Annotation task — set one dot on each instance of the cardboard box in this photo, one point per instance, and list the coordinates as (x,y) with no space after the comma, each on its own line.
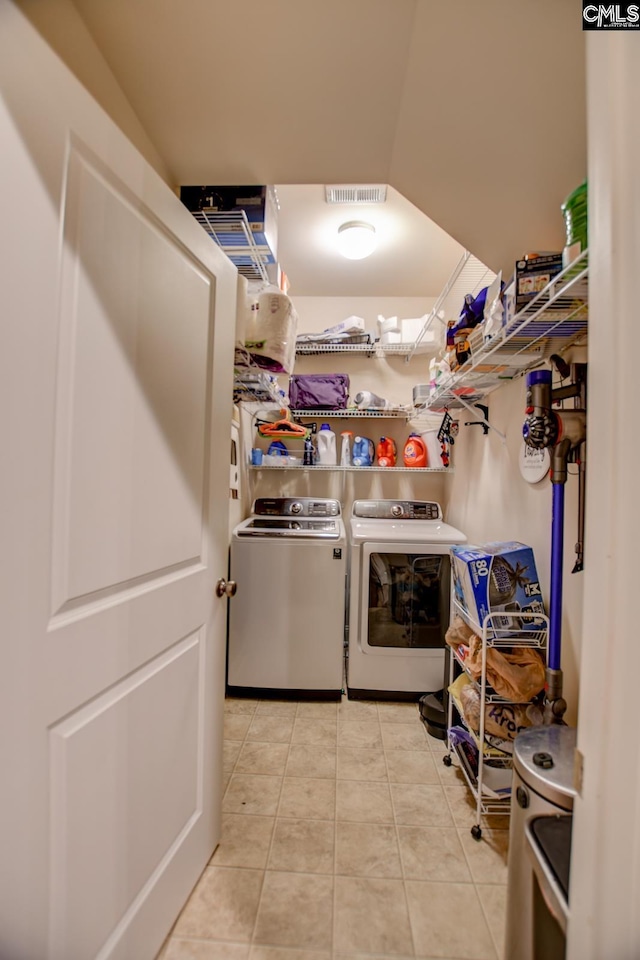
(497,577)
(533,275)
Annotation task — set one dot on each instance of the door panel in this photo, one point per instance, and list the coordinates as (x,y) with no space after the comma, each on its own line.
(117,348)
(132,439)
(141,727)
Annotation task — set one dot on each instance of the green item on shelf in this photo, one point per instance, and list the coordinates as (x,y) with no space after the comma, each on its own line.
(574,210)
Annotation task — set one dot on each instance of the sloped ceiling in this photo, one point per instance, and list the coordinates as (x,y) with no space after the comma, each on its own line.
(474,111)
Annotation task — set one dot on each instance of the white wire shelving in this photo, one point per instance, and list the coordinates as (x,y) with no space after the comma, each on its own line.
(371,348)
(505,629)
(354,413)
(350,469)
(233,234)
(556,318)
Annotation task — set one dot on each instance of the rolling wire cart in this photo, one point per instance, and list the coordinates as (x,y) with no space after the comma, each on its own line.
(494,633)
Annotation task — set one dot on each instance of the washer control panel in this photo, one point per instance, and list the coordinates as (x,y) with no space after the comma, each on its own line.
(397,509)
(295,507)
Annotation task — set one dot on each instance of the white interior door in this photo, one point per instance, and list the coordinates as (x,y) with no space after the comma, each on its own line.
(117,336)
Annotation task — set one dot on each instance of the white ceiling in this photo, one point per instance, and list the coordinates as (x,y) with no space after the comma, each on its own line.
(473,111)
(413,257)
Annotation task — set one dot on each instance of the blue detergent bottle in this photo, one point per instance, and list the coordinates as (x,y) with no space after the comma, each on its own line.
(363,452)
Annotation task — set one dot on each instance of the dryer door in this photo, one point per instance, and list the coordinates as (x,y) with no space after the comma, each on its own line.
(405,597)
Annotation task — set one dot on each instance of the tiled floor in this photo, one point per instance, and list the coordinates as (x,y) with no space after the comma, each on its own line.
(344,837)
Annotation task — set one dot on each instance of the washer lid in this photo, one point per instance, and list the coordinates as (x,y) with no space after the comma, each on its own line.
(410,531)
(543,757)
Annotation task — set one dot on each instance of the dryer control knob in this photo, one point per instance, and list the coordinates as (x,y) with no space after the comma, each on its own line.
(396,510)
(296,507)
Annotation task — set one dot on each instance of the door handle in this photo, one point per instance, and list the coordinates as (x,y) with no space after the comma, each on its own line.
(226,588)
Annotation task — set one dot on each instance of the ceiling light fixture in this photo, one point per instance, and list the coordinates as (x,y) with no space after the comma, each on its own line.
(356,239)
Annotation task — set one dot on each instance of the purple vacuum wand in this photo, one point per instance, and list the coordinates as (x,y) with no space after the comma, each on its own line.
(563,432)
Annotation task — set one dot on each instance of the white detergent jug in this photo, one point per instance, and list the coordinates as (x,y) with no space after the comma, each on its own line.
(345,454)
(327,451)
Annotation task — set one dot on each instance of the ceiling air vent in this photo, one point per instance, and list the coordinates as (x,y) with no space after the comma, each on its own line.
(355,193)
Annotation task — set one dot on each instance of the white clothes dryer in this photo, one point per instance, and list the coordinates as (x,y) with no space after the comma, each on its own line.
(286,625)
(399,598)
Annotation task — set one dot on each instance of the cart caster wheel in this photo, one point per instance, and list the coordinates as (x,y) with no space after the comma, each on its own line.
(446,760)
(476,831)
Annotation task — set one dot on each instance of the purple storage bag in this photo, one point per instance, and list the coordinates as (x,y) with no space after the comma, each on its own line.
(319,391)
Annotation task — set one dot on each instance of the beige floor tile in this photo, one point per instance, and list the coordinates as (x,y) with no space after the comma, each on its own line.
(230,753)
(357,710)
(256,795)
(371,915)
(262,758)
(314,731)
(359,733)
(358,763)
(302,846)
(223,905)
(398,713)
(240,705)
(436,745)
(311,760)
(245,841)
(308,799)
(420,804)
(493,898)
(403,736)
(296,910)
(464,811)
(206,950)
(411,766)
(236,725)
(447,921)
(270,729)
(276,953)
(277,708)
(450,776)
(363,802)
(367,850)
(487,857)
(327,710)
(433,853)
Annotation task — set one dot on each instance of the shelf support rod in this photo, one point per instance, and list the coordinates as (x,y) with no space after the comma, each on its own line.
(482,420)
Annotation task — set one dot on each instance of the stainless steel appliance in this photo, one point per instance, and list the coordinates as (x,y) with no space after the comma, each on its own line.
(286,627)
(399,597)
(543,760)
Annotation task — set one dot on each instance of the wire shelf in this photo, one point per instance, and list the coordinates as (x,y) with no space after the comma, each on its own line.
(369,349)
(232,232)
(323,466)
(557,316)
(496,633)
(352,414)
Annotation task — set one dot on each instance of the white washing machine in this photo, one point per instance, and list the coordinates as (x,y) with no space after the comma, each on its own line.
(399,597)
(286,624)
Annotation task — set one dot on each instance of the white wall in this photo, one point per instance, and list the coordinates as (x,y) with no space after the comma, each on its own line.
(59,22)
(488,499)
(605,864)
(390,377)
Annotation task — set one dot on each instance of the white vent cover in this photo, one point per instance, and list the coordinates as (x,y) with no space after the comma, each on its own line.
(355,193)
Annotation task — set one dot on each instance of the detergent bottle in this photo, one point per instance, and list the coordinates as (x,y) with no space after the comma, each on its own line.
(345,451)
(415,451)
(363,452)
(327,453)
(386,452)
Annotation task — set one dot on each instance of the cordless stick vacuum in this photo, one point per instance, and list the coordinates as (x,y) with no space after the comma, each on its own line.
(563,432)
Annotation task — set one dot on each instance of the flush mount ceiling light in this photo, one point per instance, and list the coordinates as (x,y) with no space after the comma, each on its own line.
(356,239)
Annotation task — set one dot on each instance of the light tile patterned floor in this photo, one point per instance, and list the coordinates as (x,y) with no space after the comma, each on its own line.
(344,837)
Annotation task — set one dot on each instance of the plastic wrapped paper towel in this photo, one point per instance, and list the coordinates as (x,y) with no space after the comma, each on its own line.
(271,335)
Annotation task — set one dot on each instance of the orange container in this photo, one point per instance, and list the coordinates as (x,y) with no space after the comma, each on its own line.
(386,452)
(415,451)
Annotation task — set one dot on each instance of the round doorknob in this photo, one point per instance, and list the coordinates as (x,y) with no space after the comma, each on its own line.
(226,588)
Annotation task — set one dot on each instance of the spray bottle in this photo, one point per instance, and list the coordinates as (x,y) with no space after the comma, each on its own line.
(345,451)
